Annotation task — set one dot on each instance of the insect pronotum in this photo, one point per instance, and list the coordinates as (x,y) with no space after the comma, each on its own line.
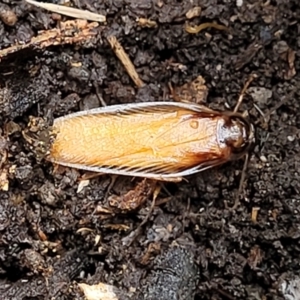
(158,140)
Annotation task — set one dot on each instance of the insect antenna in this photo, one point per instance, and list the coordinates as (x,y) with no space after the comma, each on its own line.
(263,120)
(242,180)
(243,92)
(245,166)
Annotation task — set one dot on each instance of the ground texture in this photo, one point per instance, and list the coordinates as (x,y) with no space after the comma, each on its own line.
(193,246)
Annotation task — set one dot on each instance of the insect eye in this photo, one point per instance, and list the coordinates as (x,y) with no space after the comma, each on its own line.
(236,143)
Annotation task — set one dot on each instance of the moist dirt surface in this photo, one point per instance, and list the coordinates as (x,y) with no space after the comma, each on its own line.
(58,230)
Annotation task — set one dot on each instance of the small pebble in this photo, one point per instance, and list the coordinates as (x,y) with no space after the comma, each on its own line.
(7,16)
(291,138)
(263,158)
(239,3)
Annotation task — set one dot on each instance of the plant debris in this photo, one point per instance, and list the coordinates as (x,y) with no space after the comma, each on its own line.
(125,60)
(70,32)
(69,11)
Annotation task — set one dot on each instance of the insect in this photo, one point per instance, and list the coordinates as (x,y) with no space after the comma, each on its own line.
(158,140)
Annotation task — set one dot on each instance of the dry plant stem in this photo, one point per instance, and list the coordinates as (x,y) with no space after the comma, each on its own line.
(254,214)
(163,201)
(125,60)
(69,11)
(197,29)
(70,32)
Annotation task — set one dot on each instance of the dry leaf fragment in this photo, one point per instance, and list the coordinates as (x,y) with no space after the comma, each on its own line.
(4,184)
(82,184)
(153,249)
(255,257)
(143,22)
(134,198)
(195,91)
(100,291)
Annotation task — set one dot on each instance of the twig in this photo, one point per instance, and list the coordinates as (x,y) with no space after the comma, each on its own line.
(70,32)
(125,60)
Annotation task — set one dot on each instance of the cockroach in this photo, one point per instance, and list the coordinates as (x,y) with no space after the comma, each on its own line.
(158,140)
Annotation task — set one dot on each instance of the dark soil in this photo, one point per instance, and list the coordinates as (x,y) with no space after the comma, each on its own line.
(193,246)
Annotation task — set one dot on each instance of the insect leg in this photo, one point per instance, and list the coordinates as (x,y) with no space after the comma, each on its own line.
(98,94)
(243,176)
